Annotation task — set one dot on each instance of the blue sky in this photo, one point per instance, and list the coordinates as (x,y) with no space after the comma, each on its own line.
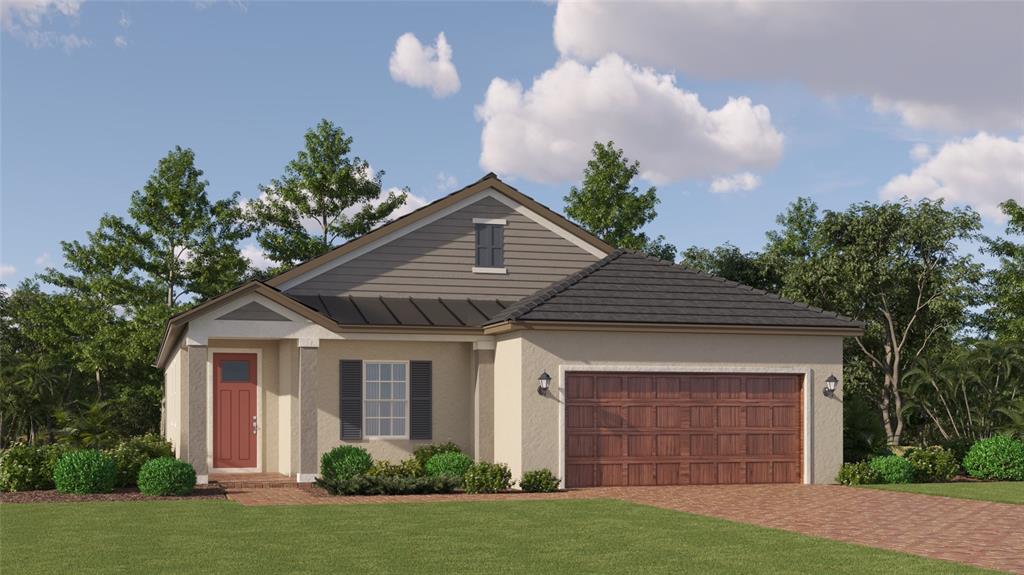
(94,93)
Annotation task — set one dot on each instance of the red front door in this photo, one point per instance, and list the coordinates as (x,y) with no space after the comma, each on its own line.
(234,410)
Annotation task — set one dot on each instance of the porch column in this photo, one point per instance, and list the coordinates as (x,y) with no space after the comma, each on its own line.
(483,401)
(193,403)
(305,424)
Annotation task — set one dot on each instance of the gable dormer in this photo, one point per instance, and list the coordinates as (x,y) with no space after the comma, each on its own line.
(484,241)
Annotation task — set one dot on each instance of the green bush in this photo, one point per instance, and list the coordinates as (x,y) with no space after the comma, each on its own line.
(383,485)
(345,462)
(29,467)
(85,471)
(486,477)
(166,476)
(539,481)
(1000,457)
(449,463)
(859,473)
(959,446)
(425,452)
(932,464)
(406,468)
(892,469)
(131,454)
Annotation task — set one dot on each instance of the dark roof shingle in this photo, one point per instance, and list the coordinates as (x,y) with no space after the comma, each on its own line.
(377,311)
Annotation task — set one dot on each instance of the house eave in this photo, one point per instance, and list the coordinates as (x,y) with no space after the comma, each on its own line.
(512,326)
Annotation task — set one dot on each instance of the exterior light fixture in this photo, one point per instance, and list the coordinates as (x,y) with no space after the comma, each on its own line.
(830,386)
(543,383)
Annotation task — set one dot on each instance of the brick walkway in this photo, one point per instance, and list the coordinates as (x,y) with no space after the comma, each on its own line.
(980,533)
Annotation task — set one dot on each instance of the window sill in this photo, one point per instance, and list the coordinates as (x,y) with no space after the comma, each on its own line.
(477,270)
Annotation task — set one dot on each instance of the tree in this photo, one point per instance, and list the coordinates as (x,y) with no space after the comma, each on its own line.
(324,196)
(610,207)
(1005,316)
(895,266)
(727,261)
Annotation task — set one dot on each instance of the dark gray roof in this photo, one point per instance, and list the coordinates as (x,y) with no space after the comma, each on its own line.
(628,287)
(404,311)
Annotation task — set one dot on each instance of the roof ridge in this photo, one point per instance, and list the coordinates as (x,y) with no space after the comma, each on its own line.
(528,304)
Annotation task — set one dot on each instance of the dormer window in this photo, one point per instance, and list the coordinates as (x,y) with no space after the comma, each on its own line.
(490,246)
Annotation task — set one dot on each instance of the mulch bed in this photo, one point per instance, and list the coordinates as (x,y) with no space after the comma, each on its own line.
(120,494)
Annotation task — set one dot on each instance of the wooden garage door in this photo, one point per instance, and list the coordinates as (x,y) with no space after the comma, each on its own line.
(681,429)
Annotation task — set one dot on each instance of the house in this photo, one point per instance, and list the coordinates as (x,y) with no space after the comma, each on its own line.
(488,320)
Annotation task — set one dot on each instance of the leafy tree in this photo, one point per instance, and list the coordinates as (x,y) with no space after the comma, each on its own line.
(895,266)
(609,206)
(324,196)
(727,261)
(1005,316)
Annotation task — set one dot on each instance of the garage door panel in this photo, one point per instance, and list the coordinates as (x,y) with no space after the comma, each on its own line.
(677,429)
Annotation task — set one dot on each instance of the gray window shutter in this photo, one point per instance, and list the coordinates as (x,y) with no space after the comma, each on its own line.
(490,245)
(421,399)
(351,395)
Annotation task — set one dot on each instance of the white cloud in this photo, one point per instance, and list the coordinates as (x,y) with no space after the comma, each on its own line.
(124,21)
(43,259)
(425,66)
(920,152)
(256,257)
(6,271)
(947,65)
(739,182)
(27,20)
(446,182)
(981,171)
(120,41)
(546,132)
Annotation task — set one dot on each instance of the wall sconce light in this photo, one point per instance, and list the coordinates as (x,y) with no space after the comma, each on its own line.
(830,386)
(543,383)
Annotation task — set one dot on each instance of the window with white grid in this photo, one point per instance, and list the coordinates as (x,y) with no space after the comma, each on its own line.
(385,404)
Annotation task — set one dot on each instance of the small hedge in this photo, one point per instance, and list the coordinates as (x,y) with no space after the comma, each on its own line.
(932,464)
(450,464)
(381,485)
(345,462)
(406,468)
(29,467)
(85,471)
(132,453)
(166,476)
(539,481)
(425,452)
(1000,458)
(859,473)
(892,469)
(486,477)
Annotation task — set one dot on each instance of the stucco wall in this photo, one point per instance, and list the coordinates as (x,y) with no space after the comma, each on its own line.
(484,428)
(173,377)
(527,425)
(452,393)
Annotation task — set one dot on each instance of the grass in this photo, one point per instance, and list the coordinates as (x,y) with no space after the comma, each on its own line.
(998,491)
(588,536)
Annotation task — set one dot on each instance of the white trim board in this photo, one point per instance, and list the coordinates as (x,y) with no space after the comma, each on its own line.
(488,193)
(557,390)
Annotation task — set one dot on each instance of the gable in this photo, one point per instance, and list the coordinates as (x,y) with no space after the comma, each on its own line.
(253,311)
(437,258)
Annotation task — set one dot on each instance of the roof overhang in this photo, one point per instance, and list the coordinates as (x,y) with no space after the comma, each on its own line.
(512,326)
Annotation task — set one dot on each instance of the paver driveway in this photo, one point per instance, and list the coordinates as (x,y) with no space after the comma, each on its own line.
(976,532)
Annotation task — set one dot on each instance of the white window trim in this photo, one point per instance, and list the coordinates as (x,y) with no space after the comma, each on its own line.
(366,363)
(477,270)
(491,221)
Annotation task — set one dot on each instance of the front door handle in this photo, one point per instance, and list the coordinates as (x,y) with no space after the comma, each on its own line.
(254,425)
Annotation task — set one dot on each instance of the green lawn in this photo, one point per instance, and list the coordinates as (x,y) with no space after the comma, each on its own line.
(587,536)
(1000,491)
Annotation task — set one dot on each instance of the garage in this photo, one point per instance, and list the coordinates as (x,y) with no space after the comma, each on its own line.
(682,428)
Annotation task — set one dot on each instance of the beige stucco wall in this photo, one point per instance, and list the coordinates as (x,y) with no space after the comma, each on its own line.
(527,425)
(173,376)
(452,393)
(483,364)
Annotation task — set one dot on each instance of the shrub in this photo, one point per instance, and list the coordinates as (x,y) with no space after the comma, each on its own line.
(166,476)
(1000,457)
(933,464)
(539,481)
(85,471)
(859,473)
(892,469)
(345,462)
(486,477)
(132,453)
(406,468)
(449,463)
(425,452)
(29,467)
(383,485)
(959,446)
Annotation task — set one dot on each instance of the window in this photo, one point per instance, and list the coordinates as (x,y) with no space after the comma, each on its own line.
(490,245)
(385,405)
(234,370)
